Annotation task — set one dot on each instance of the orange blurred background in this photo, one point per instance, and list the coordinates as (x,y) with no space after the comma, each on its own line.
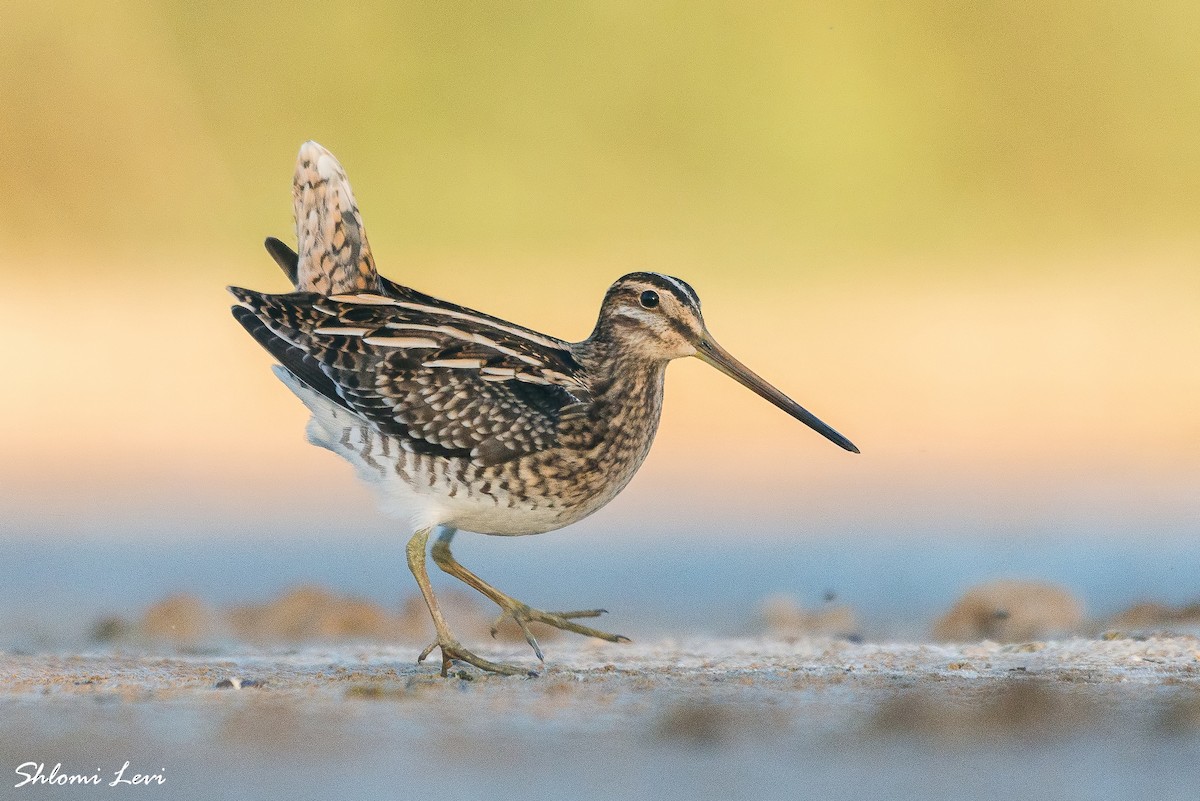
(965,238)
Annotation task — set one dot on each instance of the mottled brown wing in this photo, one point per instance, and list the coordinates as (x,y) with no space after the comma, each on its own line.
(288,261)
(441,380)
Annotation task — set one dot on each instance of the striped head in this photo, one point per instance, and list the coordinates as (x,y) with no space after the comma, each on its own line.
(657,318)
(652,315)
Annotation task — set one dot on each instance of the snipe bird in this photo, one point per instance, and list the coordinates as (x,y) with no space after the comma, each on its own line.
(461,420)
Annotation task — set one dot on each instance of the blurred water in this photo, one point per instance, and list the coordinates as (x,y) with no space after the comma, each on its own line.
(381,752)
(52,590)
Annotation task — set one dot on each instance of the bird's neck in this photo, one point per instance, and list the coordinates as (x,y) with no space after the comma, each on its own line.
(627,388)
(612,431)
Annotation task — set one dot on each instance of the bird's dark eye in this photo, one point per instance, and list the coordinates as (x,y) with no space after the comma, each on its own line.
(649,299)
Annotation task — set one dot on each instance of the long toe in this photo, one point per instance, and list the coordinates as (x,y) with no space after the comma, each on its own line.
(580,613)
(562,621)
(453,651)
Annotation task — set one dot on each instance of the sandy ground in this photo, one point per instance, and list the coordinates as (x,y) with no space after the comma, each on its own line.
(704,718)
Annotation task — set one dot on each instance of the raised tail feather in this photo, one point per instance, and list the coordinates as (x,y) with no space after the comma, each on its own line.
(334,257)
(287,259)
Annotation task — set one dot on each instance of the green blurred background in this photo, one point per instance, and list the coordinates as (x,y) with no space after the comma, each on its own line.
(765,134)
(963,233)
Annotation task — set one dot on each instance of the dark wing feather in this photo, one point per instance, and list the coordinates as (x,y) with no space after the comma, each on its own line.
(441,379)
(293,358)
(288,261)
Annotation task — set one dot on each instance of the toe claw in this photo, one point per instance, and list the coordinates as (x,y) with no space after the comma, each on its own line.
(522,622)
(529,638)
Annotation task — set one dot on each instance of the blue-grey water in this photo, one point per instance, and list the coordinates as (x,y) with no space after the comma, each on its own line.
(52,589)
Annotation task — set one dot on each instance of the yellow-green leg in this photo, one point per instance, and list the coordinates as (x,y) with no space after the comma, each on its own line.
(450,647)
(522,613)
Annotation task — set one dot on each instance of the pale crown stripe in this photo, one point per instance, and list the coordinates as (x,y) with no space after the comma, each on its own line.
(678,285)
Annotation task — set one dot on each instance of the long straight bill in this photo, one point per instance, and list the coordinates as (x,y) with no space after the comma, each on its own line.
(709,351)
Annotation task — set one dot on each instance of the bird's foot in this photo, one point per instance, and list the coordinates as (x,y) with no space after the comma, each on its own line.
(453,651)
(524,614)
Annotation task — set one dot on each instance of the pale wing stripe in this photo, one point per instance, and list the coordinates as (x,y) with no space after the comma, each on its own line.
(555,377)
(463,363)
(402,342)
(380,300)
(547,377)
(365,298)
(342,331)
(412,326)
(535,338)
(466,336)
(480,339)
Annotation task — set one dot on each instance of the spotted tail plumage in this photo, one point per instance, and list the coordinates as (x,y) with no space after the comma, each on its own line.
(333,253)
